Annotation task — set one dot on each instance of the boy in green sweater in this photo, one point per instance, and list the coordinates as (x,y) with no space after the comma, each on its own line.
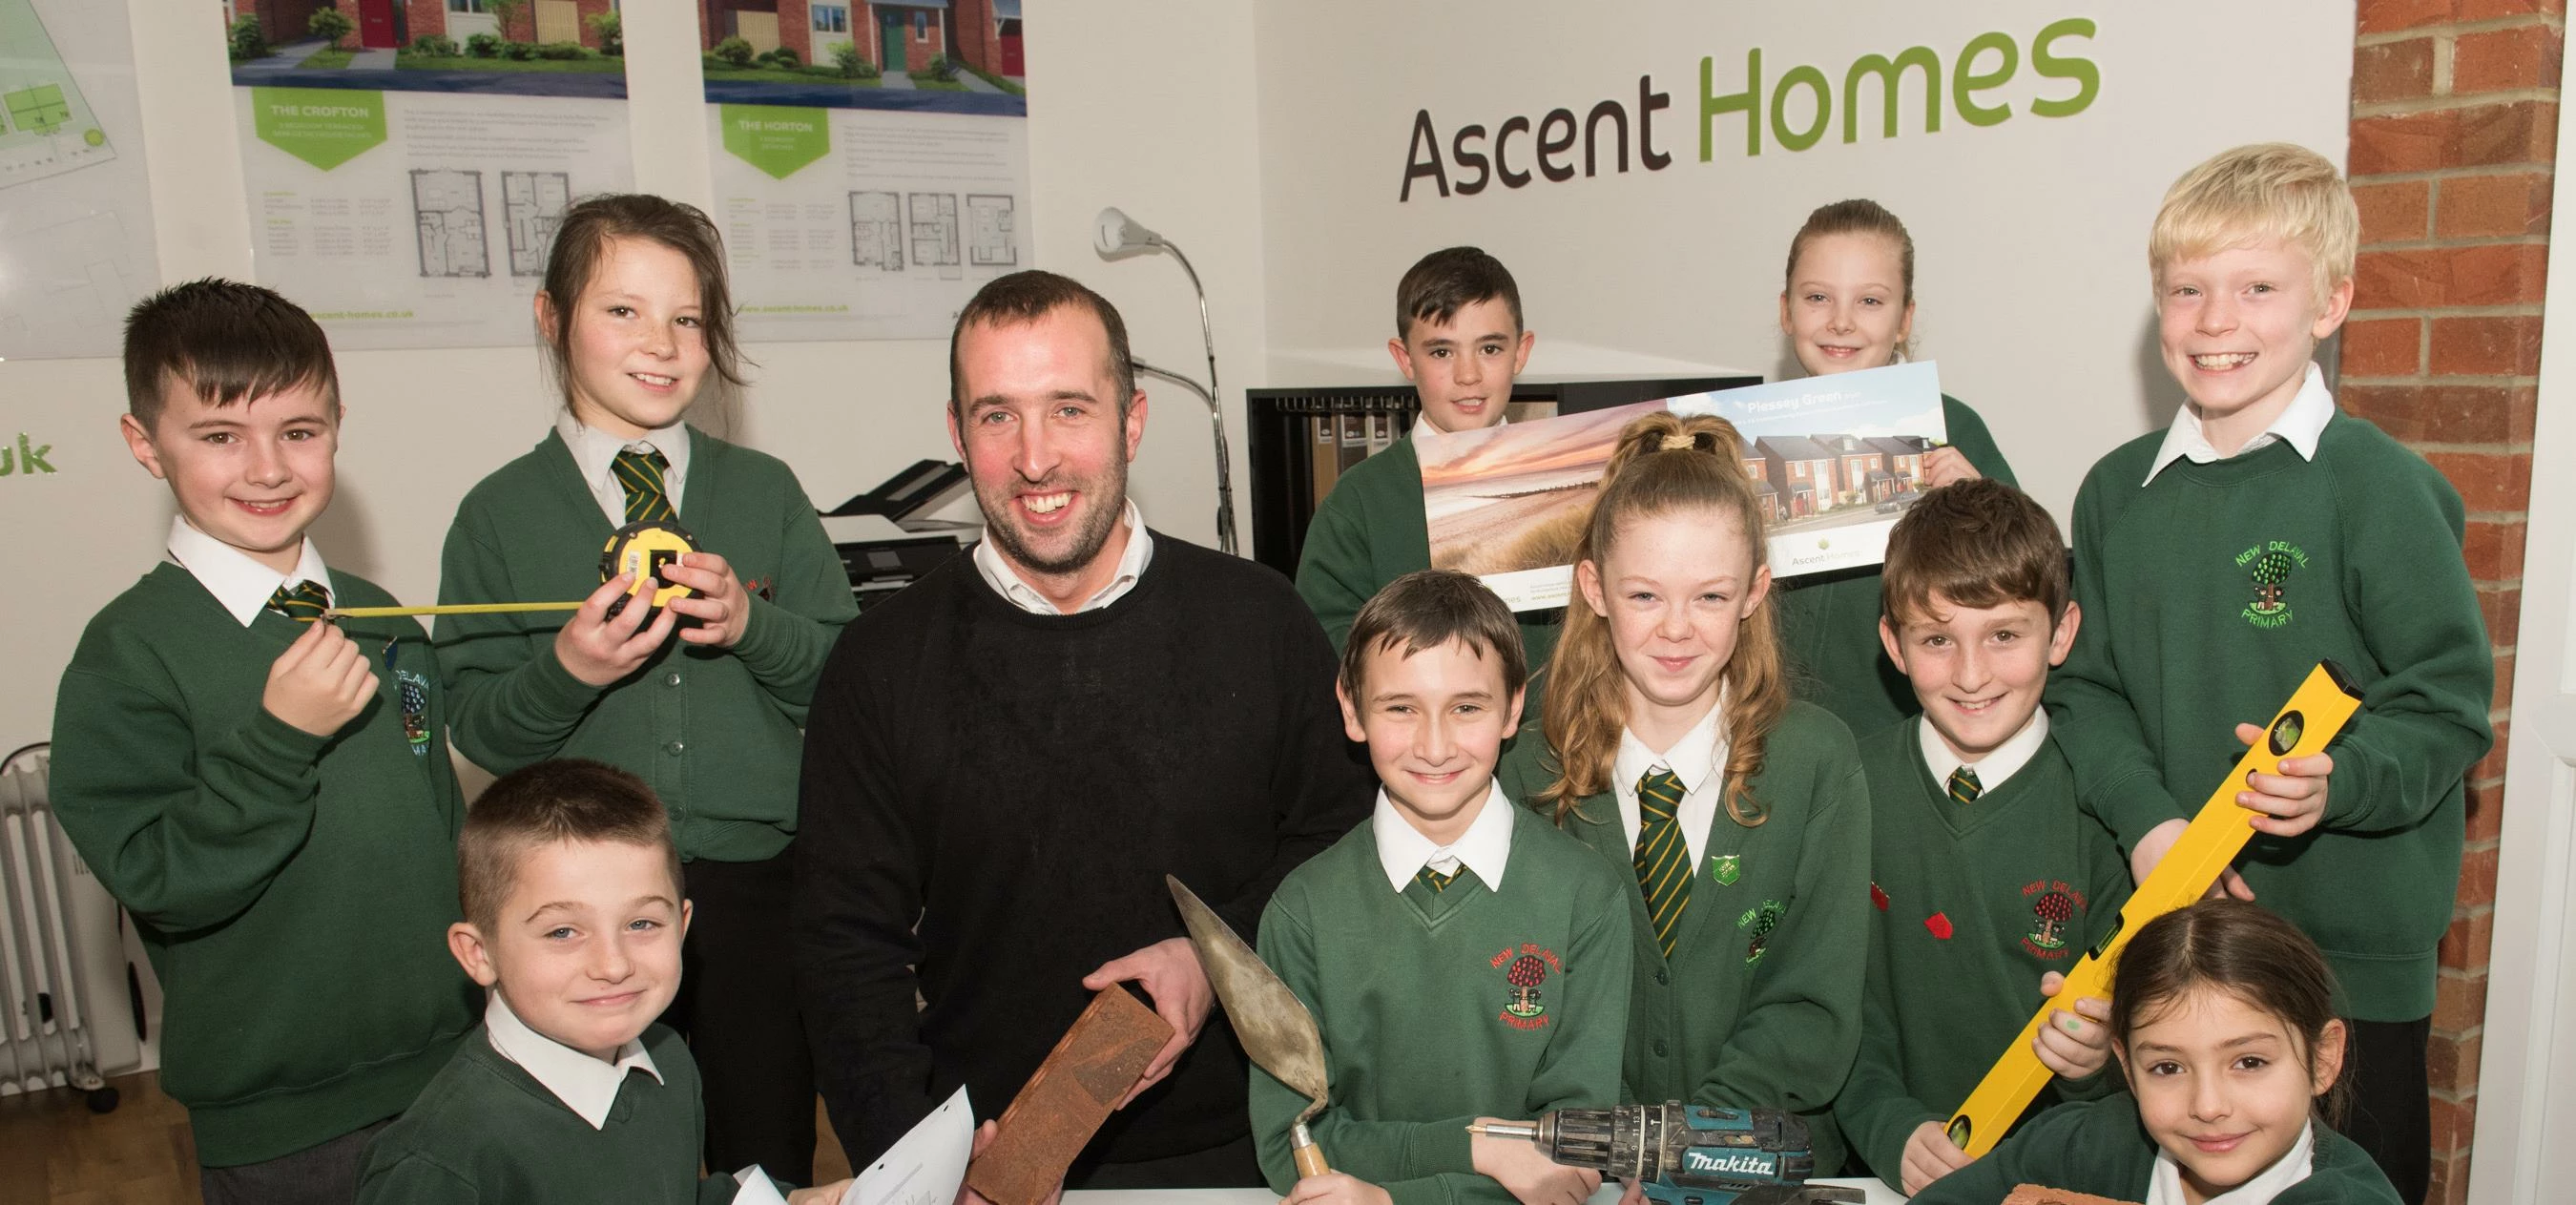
(269,798)
(1986,881)
(1464,960)
(1460,341)
(2221,559)
(571,890)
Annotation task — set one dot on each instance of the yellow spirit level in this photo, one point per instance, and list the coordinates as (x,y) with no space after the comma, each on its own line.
(2312,718)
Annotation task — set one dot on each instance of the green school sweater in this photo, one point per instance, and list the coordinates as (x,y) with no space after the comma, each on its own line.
(1372,530)
(715,732)
(2098,1147)
(1439,1008)
(1969,907)
(487,1131)
(293,892)
(1829,621)
(2208,595)
(1760,1005)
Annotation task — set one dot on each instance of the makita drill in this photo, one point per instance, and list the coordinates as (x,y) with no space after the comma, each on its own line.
(1686,1154)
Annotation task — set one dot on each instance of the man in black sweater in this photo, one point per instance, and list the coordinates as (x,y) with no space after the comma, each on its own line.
(1004,760)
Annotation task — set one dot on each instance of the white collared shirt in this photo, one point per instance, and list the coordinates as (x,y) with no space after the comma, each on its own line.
(1698,759)
(584,1084)
(595,451)
(241,584)
(1486,846)
(1007,582)
(2301,423)
(2165,1186)
(1994,768)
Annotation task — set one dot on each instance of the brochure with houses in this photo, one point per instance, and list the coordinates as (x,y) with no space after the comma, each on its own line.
(1836,458)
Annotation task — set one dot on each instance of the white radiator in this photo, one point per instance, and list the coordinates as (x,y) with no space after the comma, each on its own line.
(64,1015)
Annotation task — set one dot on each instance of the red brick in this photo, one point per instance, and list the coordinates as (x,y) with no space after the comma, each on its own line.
(2486,10)
(2452,1064)
(2486,812)
(2487,481)
(2490,206)
(2491,767)
(2383,347)
(2478,876)
(2502,608)
(2459,1002)
(2494,551)
(2392,71)
(2399,211)
(2441,414)
(2525,131)
(2492,274)
(2455,1122)
(2503,682)
(2498,60)
(2466,942)
(2380,16)
(2402,142)
(2445,1186)
(2507,345)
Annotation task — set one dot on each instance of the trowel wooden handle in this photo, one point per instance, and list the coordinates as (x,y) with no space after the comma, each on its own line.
(1310,1157)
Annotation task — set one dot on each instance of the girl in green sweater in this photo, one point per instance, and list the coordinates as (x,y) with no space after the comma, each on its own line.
(1674,750)
(703,699)
(2223,1019)
(1848,304)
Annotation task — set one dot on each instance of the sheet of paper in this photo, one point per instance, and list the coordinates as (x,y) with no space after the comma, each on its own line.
(924,1167)
(756,1188)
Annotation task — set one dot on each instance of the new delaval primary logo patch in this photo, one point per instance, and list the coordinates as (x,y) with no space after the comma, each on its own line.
(1524,969)
(2269,565)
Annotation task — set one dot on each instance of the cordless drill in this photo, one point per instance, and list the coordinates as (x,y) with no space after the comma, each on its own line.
(1686,1154)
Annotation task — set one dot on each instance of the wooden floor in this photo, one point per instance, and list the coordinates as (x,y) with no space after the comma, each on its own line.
(54,1151)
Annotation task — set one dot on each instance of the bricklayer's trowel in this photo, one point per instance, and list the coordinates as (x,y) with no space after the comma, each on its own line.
(1272,1023)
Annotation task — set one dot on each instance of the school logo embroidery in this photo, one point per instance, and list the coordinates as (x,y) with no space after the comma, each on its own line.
(1759,921)
(1524,968)
(2270,565)
(1726,868)
(2055,905)
(415,709)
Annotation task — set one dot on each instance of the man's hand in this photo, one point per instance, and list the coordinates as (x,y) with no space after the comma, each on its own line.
(2291,801)
(598,649)
(1531,1178)
(1335,1188)
(1947,464)
(2159,841)
(983,1138)
(1928,1157)
(2072,1044)
(1170,973)
(320,683)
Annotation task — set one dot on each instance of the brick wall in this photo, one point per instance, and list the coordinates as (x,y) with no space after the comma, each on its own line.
(978,42)
(425,18)
(2454,140)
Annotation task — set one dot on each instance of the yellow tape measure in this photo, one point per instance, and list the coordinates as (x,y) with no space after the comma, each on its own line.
(642,549)
(2312,718)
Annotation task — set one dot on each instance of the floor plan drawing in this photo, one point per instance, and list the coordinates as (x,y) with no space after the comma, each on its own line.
(934,229)
(533,204)
(876,230)
(992,231)
(46,128)
(448,204)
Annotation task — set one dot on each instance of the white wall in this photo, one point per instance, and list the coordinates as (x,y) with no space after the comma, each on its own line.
(1163,131)
(2031,234)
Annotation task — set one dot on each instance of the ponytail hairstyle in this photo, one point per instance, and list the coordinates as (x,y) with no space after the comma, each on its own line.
(2241,949)
(1665,464)
(581,242)
(1859,215)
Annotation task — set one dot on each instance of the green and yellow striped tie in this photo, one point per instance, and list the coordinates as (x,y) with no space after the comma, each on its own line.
(646,495)
(306,601)
(1964,787)
(1435,880)
(1663,858)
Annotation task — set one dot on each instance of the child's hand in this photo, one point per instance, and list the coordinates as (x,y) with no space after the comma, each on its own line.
(1335,1188)
(1928,1157)
(2291,801)
(821,1194)
(1945,465)
(597,649)
(2073,1044)
(1529,1176)
(721,607)
(320,683)
(2159,841)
